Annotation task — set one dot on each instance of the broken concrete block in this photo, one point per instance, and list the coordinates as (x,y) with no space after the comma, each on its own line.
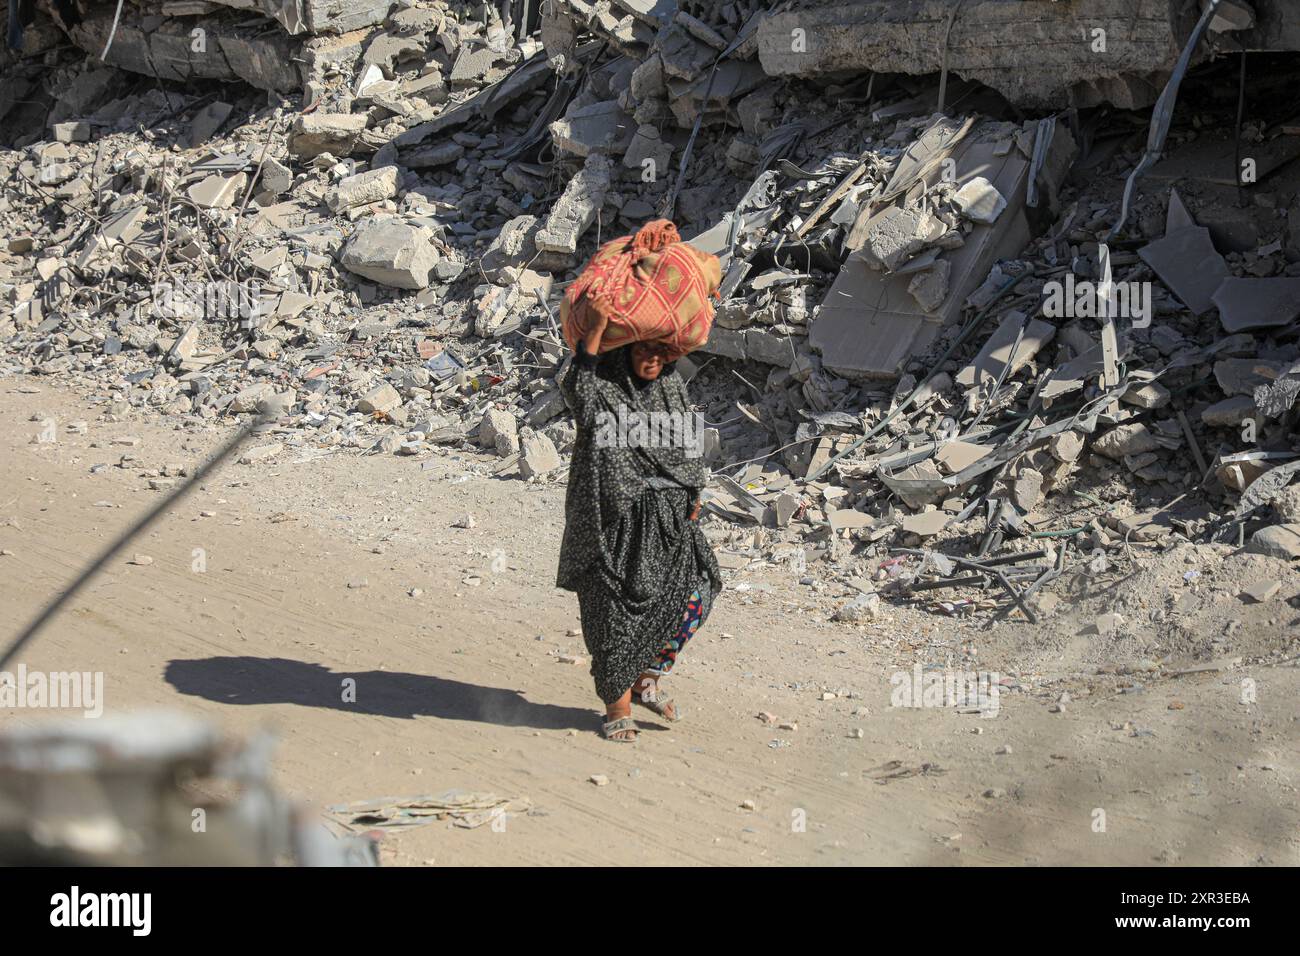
(513,247)
(926,524)
(248,399)
(1230,412)
(576,208)
(206,122)
(758,112)
(333,133)
(597,128)
(842,519)
(930,287)
(897,234)
(537,456)
(536,285)
(73,132)
(1131,439)
(433,154)
(1149,395)
(499,430)
(1287,504)
(785,508)
(362,189)
(771,348)
(317,17)
(995,355)
(954,456)
(474,66)
(683,56)
(276,177)
(217,191)
(391,252)
(183,348)
(1139,462)
(648,153)
(496,306)
(261,453)
(1066,446)
(1257,303)
(1146,526)
(1187,262)
(1262,591)
(381,399)
(979,200)
(549,405)
(1027,490)
(234,49)
(742,158)
(1278,541)
(1241,376)
(864,607)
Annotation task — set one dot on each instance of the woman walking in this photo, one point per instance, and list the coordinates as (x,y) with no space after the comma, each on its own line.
(632,548)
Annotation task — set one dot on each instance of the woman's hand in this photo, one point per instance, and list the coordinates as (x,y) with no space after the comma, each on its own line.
(591,341)
(695,512)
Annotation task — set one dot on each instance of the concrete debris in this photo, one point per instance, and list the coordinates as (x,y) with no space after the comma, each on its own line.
(979,200)
(1188,263)
(537,456)
(393,253)
(363,189)
(216,191)
(926,524)
(1125,441)
(576,209)
(1066,447)
(1017,340)
(598,128)
(499,431)
(864,607)
(315,134)
(380,400)
(1262,591)
(933,370)
(1230,412)
(1257,303)
(1278,541)
(1048,67)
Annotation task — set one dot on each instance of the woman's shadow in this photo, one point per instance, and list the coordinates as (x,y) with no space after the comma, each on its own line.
(277,680)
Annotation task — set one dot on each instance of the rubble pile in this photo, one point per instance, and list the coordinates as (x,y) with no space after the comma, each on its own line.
(953,356)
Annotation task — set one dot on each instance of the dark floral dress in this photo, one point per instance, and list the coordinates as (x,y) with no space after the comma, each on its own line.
(630,550)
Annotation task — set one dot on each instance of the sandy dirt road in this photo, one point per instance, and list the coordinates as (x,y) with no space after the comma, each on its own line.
(308,564)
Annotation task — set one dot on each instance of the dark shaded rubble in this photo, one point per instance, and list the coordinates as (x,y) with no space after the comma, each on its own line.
(912,383)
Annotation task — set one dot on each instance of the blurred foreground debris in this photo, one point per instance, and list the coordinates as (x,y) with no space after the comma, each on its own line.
(152,790)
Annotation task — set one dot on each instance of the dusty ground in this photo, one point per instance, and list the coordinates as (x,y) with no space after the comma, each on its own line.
(463,685)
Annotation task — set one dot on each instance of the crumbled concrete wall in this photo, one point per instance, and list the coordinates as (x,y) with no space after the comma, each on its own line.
(317,16)
(226,49)
(1038,54)
(229,44)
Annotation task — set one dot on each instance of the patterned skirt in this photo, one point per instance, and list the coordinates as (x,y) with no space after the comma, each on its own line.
(632,611)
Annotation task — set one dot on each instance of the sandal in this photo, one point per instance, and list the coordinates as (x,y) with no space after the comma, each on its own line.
(650,698)
(616,726)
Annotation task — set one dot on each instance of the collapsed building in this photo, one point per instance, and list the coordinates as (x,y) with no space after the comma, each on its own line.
(1007,283)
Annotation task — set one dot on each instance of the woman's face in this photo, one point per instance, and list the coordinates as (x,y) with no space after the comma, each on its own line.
(648,360)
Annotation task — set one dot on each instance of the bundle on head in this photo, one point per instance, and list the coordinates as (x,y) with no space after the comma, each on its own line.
(652,287)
